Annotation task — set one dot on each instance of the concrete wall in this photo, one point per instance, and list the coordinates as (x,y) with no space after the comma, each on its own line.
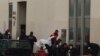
(95,22)
(3,15)
(44,16)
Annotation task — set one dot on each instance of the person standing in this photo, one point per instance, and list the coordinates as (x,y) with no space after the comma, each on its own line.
(32,39)
(64,49)
(1,35)
(23,35)
(7,35)
(54,35)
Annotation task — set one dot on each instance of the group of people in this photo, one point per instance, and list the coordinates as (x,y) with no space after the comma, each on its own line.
(57,48)
(54,45)
(6,35)
(30,38)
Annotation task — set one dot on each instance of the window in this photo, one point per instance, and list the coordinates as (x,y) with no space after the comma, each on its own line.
(72,18)
(10,10)
(10,16)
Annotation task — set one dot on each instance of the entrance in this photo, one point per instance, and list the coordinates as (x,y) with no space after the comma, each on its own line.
(21,23)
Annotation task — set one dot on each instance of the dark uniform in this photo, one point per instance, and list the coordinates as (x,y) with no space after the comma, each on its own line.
(32,39)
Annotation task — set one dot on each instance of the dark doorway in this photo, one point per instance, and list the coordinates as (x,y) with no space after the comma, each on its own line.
(21,25)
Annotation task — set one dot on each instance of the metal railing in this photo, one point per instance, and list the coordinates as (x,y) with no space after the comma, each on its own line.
(6,43)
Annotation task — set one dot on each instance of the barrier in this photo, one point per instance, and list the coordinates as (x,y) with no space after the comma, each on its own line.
(15,47)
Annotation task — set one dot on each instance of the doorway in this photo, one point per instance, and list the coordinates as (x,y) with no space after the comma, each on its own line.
(21,23)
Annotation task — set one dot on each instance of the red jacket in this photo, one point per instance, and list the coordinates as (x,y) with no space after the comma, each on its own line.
(41,52)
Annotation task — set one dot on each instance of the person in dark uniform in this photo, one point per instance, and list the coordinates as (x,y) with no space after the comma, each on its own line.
(94,49)
(23,35)
(56,48)
(64,49)
(49,49)
(7,35)
(55,35)
(32,39)
(1,35)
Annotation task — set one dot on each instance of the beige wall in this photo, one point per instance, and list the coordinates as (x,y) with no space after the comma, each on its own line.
(44,16)
(95,22)
(3,15)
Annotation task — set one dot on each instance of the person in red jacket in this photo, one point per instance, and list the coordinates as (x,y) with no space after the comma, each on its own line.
(41,52)
(54,35)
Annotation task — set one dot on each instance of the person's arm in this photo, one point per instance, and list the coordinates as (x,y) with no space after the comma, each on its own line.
(35,40)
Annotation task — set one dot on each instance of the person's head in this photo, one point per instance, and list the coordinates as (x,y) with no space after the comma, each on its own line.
(55,35)
(58,41)
(56,31)
(7,31)
(70,46)
(65,45)
(31,33)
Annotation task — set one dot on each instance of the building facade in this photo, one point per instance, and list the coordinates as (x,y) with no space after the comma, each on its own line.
(41,16)
(44,16)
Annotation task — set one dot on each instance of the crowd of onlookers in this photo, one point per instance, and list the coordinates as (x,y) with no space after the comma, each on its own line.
(55,47)
(29,38)
(6,35)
